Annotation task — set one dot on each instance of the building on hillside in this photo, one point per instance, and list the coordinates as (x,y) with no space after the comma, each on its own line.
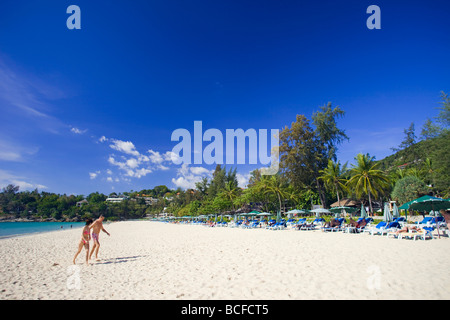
(82,202)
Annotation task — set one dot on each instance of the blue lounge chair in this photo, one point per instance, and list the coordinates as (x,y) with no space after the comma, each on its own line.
(307,226)
(318,221)
(428,233)
(391,227)
(255,224)
(377,228)
(299,223)
(426,221)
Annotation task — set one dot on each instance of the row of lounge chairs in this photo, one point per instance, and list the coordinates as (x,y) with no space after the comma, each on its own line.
(395,229)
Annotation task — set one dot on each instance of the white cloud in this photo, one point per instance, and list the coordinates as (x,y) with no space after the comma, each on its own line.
(10,155)
(200,171)
(130,167)
(7,178)
(27,98)
(77,131)
(187,176)
(102,139)
(125,147)
(109,179)
(132,163)
(173,157)
(142,172)
(10,150)
(155,157)
(242,179)
(94,175)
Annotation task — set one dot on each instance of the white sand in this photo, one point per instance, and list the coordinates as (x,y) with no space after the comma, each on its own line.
(154,260)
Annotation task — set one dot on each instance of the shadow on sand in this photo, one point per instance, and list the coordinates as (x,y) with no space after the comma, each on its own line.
(118,260)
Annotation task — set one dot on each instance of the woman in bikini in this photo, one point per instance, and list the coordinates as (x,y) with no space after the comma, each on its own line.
(84,242)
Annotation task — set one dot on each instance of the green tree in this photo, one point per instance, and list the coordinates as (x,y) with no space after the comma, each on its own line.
(334,178)
(444,111)
(408,143)
(217,182)
(430,130)
(277,187)
(408,188)
(231,192)
(305,151)
(366,178)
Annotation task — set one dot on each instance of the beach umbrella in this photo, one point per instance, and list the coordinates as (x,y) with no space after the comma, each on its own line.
(363,211)
(406,205)
(263,214)
(431,204)
(342,209)
(253,213)
(319,211)
(278,216)
(295,211)
(395,211)
(387,217)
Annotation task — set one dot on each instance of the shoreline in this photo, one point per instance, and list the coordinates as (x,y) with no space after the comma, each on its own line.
(156,260)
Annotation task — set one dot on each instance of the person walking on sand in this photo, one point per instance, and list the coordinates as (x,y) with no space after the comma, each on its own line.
(96,227)
(84,242)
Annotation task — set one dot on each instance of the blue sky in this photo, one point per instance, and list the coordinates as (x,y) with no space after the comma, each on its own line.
(94,109)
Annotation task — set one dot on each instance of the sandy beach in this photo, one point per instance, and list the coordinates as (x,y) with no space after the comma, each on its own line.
(155,260)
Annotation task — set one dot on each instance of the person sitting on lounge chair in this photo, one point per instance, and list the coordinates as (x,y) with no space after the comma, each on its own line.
(333,223)
(352,223)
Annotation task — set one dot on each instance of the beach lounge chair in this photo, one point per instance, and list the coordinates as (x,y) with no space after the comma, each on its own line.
(255,224)
(426,232)
(279,225)
(426,221)
(391,227)
(298,224)
(307,226)
(318,221)
(333,225)
(401,233)
(291,223)
(377,228)
(270,224)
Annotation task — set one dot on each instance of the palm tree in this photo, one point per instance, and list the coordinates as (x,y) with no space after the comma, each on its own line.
(366,178)
(333,177)
(231,192)
(277,187)
(429,171)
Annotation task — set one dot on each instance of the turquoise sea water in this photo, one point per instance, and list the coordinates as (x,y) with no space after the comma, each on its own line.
(10,229)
